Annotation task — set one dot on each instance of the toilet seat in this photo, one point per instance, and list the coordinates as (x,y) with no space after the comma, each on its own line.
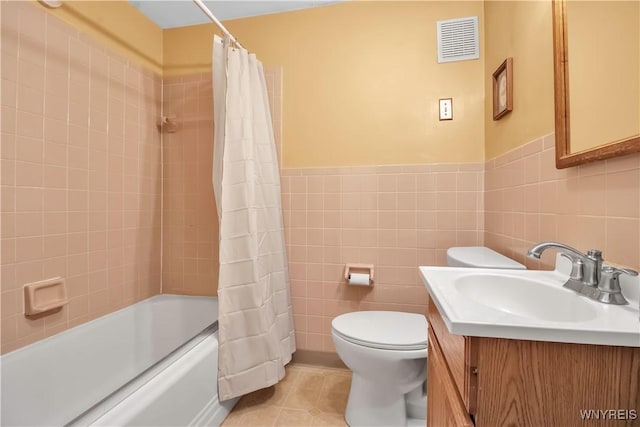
(387,330)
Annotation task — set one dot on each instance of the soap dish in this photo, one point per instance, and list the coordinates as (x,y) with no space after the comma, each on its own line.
(43,296)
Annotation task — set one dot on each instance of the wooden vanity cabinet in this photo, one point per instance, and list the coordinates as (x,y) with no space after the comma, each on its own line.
(445,406)
(504,382)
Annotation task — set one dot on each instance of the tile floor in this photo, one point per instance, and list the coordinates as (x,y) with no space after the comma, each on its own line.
(307,396)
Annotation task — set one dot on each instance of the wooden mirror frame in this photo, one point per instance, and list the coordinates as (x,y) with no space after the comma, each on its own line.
(564,157)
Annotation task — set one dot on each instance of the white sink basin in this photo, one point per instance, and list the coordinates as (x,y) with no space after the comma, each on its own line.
(525,297)
(528,305)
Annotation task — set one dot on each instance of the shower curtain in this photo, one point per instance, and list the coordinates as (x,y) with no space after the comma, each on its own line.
(255,316)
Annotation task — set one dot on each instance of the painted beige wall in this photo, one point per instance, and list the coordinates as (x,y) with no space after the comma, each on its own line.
(604,93)
(118,25)
(522,30)
(187,50)
(355,116)
(361,81)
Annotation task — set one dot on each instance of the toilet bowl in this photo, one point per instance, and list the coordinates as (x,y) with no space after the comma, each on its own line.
(387,353)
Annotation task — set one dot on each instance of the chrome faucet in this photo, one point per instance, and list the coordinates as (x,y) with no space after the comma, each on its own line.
(591,261)
(589,275)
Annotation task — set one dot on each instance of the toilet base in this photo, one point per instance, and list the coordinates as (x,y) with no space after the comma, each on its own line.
(415,422)
(371,404)
(417,402)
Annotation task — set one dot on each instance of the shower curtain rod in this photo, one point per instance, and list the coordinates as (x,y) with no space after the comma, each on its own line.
(215,20)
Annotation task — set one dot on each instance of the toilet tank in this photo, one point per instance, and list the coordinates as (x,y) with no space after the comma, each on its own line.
(480,257)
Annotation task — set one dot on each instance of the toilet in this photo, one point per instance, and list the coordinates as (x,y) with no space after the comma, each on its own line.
(387,351)
(480,257)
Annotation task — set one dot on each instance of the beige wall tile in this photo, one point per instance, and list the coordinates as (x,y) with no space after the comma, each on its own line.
(591,206)
(375,218)
(57,187)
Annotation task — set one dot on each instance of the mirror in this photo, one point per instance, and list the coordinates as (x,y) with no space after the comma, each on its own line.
(596,47)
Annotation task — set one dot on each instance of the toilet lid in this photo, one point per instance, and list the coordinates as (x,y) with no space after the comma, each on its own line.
(383,329)
(480,257)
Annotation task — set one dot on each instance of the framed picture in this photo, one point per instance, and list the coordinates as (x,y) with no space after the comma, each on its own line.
(503,89)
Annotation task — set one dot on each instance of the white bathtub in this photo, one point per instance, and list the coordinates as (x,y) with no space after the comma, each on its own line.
(154,363)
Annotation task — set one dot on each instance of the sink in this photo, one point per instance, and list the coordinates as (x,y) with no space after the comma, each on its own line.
(528,305)
(522,296)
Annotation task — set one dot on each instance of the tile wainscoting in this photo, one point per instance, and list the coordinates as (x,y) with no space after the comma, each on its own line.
(400,217)
(395,217)
(595,205)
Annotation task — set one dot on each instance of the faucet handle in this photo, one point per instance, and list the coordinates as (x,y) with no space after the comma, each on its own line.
(620,270)
(595,254)
(577,266)
(609,286)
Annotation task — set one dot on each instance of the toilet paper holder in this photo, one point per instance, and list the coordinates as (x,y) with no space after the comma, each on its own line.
(358,268)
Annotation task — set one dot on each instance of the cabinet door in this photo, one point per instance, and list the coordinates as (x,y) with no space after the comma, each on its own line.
(444,404)
(460,354)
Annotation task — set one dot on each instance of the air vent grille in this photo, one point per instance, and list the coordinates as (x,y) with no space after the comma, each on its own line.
(458,39)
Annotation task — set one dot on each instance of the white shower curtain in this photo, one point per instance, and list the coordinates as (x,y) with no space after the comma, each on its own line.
(255,316)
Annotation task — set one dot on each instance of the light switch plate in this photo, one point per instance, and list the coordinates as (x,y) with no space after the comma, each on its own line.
(446,109)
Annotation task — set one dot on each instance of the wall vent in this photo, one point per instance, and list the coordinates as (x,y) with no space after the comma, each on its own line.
(458,39)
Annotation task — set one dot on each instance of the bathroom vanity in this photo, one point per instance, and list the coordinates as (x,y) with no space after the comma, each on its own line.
(519,349)
(494,382)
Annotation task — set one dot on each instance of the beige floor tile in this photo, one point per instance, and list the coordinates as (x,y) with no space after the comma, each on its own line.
(328,420)
(302,398)
(282,392)
(333,403)
(288,382)
(310,379)
(293,418)
(291,372)
(260,416)
(307,396)
(233,419)
(337,382)
(274,395)
(315,412)
(258,397)
(241,403)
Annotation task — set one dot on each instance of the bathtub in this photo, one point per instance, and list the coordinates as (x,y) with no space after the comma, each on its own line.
(154,363)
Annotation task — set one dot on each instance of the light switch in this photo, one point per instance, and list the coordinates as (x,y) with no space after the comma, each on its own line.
(446,109)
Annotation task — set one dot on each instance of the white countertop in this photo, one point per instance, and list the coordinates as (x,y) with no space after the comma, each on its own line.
(611,324)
